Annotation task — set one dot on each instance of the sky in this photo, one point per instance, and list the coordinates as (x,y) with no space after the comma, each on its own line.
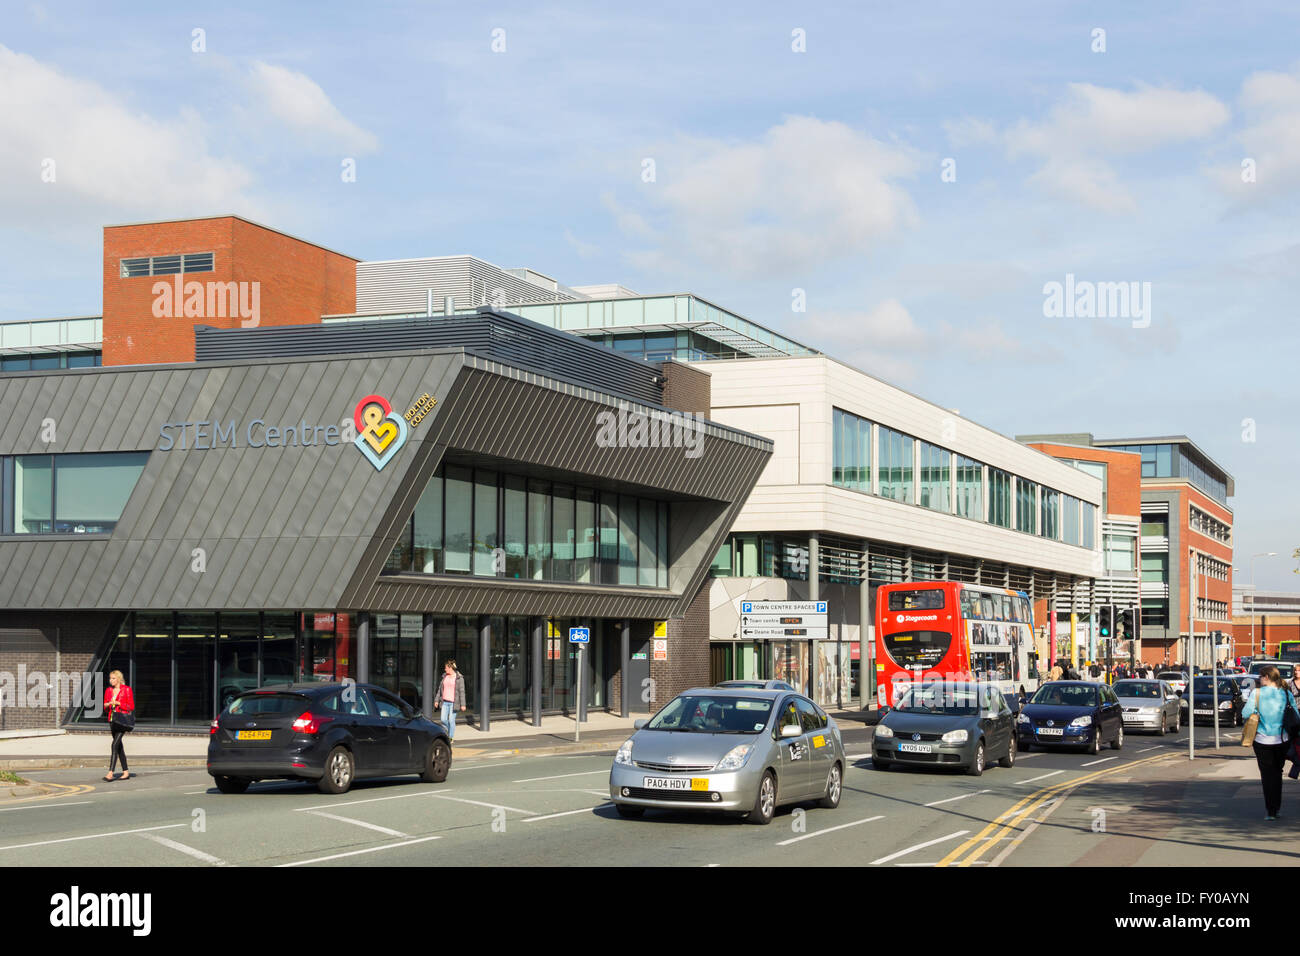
(918,176)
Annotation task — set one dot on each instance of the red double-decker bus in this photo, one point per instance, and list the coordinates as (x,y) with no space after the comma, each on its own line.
(945,630)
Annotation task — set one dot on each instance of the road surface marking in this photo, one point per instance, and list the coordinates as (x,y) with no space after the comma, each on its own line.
(1091,763)
(569,813)
(373,849)
(43,806)
(1043,777)
(561,776)
(353,803)
(919,846)
(1156,747)
(807,836)
(189,850)
(360,823)
(93,836)
(974,793)
(480,803)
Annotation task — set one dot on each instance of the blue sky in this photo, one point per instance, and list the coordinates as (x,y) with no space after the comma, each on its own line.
(774,170)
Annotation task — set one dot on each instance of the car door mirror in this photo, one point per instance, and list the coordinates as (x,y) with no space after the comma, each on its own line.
(791,730)
(639,723)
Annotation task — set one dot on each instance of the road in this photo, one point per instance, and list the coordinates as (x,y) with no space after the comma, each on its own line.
(1145,805)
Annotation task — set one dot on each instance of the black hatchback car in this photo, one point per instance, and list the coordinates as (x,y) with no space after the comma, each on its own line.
(331,734)
(1072,714)
(1231,700)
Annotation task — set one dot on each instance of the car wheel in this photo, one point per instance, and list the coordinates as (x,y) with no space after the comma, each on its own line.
(977,764)
(338,772)
(233,784)
(1178,722)
(880,764)
(764,802)
(1094,745)
(1118,742)
(1164,724)
(834,787)
(1010,759)
(437,763)
(629,812)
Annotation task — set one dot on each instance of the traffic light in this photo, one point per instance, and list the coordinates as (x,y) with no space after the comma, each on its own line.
(1124,625)
(1106,619)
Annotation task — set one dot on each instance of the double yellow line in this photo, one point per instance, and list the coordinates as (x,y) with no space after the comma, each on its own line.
(64,790)
(978,845)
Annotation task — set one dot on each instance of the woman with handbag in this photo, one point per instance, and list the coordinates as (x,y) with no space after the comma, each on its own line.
(1272,719)
(120,704)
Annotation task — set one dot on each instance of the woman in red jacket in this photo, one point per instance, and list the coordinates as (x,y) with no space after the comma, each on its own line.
(119,702)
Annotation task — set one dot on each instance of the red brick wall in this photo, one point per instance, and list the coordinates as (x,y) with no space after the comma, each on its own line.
(70,643)
(688,652)
(299,282)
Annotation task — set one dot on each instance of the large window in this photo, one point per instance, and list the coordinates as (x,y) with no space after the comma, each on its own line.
(895,464)
(936,476)
(1089,525)
(489,524)
(1155,567)
(69,493)
(1050,508)
(999,498)
(970,488)
(1026,506)
(851,451)
(1070,515)
(1120,552)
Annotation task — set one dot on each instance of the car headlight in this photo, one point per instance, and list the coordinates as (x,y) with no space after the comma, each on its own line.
(735,758)
(1149,710)
(883,731)
(955,737)
(624,755)
(1022,718)
(1226,705)
(1084,721)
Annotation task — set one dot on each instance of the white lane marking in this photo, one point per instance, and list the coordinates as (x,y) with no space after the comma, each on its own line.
(561,776)
(40,806)
(93,836)
(480,803)
(919,846)
(595,793)
(189,850)
(917,864)
(1025,756)
(1091,763)
(569,813)
(711,865)
(373,849)
(1043,777)
(360,823)
(974,793)
(856,756)
(353,803)
(1156,747)
(808,836)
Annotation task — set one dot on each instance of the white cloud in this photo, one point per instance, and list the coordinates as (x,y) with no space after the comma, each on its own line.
(970,131)
(105,154)
(882,342)
(1092,124)
(298,101)
(806,192)
(1270,138)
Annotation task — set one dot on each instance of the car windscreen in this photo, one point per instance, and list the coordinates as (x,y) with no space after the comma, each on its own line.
(943,698)
(1069,695)
(1171,675)
(709,714)
(254,705)
(1134,688)
(1202,686)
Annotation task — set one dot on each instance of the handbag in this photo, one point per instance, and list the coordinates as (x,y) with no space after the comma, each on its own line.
(1252,725)
(1291,718)
(124,721)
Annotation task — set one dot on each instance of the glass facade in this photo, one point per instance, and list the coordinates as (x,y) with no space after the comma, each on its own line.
(895,463)
(1050,514)
(50,360)
(1071,514)
(936,477)
(999,498)
(492,524)
(851,451)
(1161,460)
(1089,525)
(970,488)
(1026,506)
(67,493)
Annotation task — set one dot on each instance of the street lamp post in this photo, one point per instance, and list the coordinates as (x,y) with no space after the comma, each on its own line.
(1262,554)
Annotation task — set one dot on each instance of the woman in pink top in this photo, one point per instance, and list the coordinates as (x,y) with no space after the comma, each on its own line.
(451,695)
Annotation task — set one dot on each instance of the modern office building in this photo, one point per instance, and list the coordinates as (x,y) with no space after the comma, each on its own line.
(1261,620)
(1185,544)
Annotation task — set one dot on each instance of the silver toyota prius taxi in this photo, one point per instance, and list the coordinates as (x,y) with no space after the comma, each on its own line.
(730,750)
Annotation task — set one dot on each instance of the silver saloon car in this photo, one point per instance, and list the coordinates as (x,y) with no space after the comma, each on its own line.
(730,750)
(1149,705)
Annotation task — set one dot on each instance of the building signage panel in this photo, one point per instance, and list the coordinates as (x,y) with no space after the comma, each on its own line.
(661,648)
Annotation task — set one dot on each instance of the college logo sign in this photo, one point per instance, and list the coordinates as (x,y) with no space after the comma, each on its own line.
(380,433)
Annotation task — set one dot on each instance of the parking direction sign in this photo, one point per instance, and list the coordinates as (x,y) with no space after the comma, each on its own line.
(579,635)
(796,620)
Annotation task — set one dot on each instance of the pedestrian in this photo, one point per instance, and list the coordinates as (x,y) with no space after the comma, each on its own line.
(1095,671)
(1270,705)
(119,703)
(1055,673)
(451,696)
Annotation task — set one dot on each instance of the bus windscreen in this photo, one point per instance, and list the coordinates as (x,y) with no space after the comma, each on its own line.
(930,599)
(913,649)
